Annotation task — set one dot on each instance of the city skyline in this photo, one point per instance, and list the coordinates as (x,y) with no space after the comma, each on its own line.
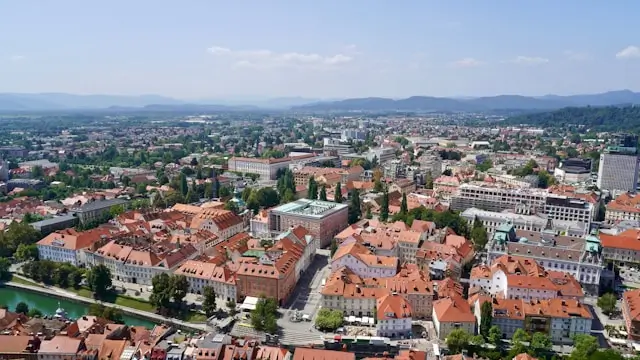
(204,50)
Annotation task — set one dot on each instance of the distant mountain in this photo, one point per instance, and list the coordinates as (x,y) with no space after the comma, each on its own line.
(599,118)
(500,102)
(58,101)
(62,101)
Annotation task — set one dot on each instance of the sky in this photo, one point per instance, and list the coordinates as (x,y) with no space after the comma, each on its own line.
(211,49)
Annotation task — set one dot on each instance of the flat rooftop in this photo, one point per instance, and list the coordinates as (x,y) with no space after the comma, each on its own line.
(311,208)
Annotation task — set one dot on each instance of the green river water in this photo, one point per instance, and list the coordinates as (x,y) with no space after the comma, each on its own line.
(49,304)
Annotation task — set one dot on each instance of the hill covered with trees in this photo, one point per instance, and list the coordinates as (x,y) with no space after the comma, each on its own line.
(608,118)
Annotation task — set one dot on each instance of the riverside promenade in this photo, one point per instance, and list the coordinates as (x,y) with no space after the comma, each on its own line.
(61,293)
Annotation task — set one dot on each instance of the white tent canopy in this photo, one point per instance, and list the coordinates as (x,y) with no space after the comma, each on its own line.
(249,303)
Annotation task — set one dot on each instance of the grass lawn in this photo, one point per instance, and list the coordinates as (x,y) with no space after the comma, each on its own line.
(134,303)
(195,317)
(22,281)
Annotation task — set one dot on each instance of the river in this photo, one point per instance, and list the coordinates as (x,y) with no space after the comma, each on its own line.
(49,304)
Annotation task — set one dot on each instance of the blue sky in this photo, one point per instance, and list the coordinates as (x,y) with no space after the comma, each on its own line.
(197,49)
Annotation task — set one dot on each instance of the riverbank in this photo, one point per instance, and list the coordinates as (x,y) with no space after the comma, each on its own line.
(64,294)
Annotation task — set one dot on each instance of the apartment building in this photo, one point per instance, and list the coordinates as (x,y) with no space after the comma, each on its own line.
(500,198)
(363,262)
(618,172)
(356,296)
(631,313)
(266,168)
(136,260)
(451,313)
(622,248)
(625,206)
(201,274)
(301,175)
(67,245)
(560,319)
(491,220)
(96,210)
(223,223)
(322,219)
(580,257)
(393,316)
(61,348)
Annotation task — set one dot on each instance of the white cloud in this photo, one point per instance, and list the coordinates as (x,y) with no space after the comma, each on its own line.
(630,52)
(16,58)
(529,60)
(270,59)
(576,56)
(466,63)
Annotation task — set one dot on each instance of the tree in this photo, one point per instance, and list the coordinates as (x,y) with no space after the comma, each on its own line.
(479,235)
(22,308)
(337,197)
(215,188)
(404,208)
(179,288)
(517,342)
(377,186)
(477,340)
(126,181)
(208,191)
(583,347)
(114,314)
(355,211)
(541,344)
(267,197)
(289,196)
(253,203)
(428,181)
(485,165)
(334,247)
(99,280)
(184,187)
(35,313)
(232,206)
(194,161)
(312,189)
(246,193)
(329,320)
(384,206)
(263,317)
(161,293)
(323,193)
(27,252)
(457,340)
(486,317)
(209,304)
(495,335)
(368,214)
(447,172)
(607,303)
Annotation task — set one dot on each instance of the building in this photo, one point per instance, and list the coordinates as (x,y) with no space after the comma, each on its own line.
(622,248)
(55,223)
(61,348)
(560,319)
(393,316)
(631,313)
(200,274)
(34,184)
(353,134)
(573,171)
(500,198)
(363,262)
(301,175)
(98,209)
(304,353)
(580,257)
(335,145)
(259,224)
(223,223)
(451,313)
(322,219)
(14,347)
(273,278)
(68,245)
(618,171)
(266,168)
(492,220)
(625,206)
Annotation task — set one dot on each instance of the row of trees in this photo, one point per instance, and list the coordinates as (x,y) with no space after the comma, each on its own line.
(17,233)
(63,275)
(107,312)
(265,315)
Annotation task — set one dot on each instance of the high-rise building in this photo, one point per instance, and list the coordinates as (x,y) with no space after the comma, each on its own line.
(619,166)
